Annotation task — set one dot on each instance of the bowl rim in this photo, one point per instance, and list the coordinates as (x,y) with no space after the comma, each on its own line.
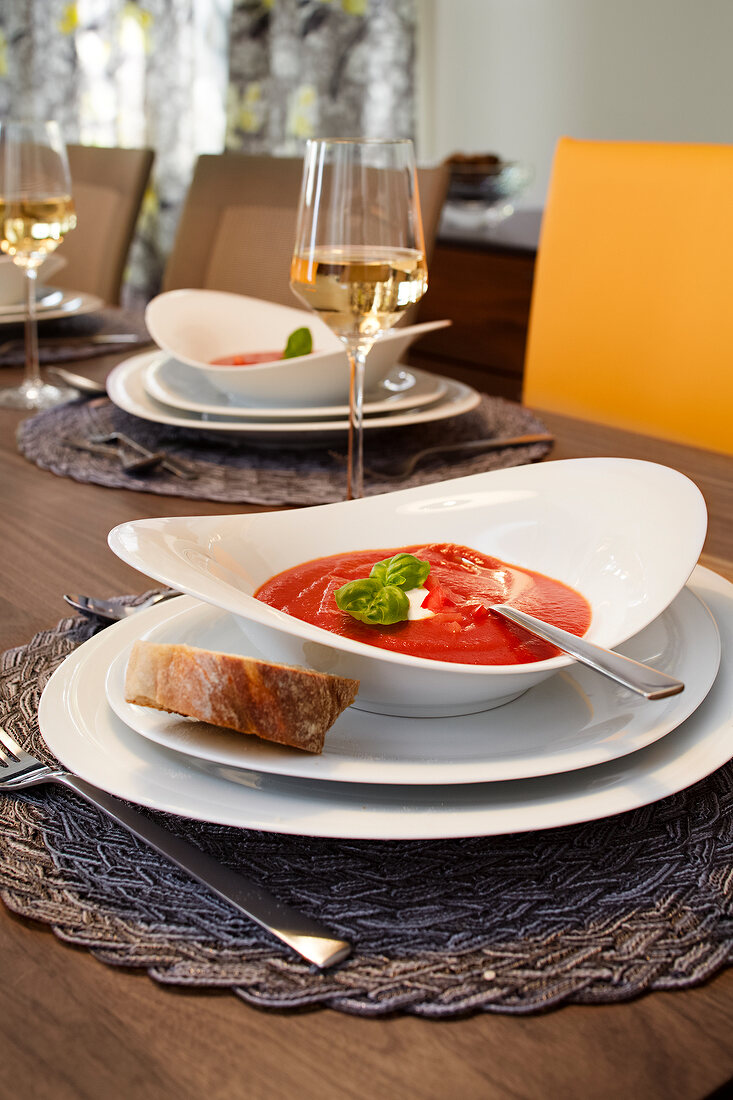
(254,368)
(278,620)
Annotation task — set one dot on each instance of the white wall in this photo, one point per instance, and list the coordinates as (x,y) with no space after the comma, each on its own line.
(511,76)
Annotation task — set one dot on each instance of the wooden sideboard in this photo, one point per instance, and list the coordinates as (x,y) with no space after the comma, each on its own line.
(482,281)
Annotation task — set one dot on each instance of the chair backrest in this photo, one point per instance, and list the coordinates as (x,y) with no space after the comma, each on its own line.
(108,187)
(631,323)
(237,227)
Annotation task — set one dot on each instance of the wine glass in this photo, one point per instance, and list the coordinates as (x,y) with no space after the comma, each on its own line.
(36,210)
(359,257)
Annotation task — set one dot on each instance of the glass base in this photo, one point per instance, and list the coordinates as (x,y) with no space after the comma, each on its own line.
(35,395)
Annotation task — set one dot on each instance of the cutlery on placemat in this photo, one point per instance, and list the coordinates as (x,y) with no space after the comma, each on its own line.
(112,611)
(173,466)
(18,770)
(631,674)
(404,467)
(139,462)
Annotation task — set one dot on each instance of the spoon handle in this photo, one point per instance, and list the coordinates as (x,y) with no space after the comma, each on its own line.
(634,675)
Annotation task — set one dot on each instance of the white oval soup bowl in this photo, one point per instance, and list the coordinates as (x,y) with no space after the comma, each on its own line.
(197,326)
(625,534)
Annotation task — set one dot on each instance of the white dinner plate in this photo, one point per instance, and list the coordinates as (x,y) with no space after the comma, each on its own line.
(573,720)
(85,734)
(46,298)
(54,305)
(183,387)
(126,388)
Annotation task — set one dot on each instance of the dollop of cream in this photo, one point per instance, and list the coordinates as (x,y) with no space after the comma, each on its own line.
(416,597)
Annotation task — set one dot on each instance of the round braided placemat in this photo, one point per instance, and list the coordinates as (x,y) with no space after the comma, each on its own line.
(233,470)
(591,913)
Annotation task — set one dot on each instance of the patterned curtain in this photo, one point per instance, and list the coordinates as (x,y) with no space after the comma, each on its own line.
(121,73)
(319,68)
(190,76)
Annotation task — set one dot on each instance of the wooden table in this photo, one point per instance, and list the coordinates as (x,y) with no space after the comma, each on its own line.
(75,1028)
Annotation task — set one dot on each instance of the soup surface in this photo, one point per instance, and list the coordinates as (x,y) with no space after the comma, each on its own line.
(247,359)
(458,589)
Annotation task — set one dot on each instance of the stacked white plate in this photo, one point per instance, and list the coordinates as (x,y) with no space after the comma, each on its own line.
(155,386)
(51,304)
(574,747)
(300,400)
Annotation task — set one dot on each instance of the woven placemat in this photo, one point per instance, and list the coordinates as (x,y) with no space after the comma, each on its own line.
(235,470)
(65,339)
(589,914)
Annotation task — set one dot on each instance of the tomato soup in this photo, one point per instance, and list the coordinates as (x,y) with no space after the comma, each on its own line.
(247,359)
(459,587)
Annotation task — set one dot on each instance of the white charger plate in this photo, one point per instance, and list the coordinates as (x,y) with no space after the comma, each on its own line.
(126,388)
(81,729)
(183,387)
(573,720)
(66,303)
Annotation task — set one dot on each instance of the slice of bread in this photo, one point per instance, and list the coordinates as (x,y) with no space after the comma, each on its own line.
(293,706)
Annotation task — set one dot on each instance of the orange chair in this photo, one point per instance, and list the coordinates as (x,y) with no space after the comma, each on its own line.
(631,322)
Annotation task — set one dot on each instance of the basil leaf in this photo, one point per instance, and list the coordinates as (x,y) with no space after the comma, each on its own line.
(370,601)
(299,342)
(404,570)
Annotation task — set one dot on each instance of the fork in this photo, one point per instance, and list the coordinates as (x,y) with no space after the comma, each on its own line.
(112,611)
(18,770)
(135,463)
(173,465)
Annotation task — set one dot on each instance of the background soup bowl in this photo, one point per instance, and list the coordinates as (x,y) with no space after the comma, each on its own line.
(197,326)
(12,278)
(625,534)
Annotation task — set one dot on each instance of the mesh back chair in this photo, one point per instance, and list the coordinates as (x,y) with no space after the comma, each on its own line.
(237,228)
(631,322)
(108,187)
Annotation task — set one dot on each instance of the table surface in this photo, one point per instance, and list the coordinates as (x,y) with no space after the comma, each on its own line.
(76,1028)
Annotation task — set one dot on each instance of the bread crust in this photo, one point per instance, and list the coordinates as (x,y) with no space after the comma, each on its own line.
(282,703)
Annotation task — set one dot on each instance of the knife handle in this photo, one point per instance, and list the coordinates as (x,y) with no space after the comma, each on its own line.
(305,936)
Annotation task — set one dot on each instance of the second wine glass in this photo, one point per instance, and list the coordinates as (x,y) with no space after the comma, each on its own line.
(36,211)
(359,257)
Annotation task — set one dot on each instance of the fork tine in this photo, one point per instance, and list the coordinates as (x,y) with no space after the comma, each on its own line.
(10,744)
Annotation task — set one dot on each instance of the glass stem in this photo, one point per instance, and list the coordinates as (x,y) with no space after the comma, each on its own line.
(32,368)
(355,455)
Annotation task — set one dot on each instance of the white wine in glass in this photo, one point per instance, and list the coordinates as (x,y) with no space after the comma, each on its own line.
(359,257)
(36,212)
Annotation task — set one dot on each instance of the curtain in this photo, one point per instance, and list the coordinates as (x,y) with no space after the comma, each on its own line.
(319,68)
(192,76)
(116,72)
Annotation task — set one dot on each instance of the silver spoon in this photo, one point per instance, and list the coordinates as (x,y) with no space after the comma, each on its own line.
(78,381)
(634,675)
(113,612)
